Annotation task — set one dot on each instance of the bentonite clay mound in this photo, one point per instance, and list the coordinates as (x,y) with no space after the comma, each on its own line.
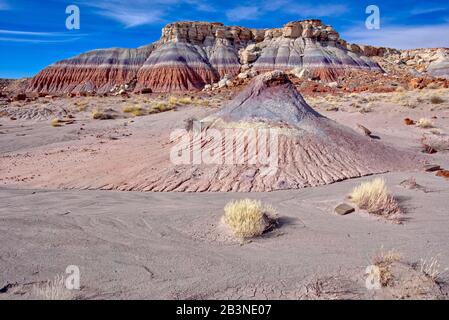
(309,150)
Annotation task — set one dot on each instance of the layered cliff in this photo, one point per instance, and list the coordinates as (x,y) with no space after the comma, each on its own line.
(190,55)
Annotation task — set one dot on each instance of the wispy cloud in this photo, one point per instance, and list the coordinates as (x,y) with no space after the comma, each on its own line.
(426,10)
(144,12)
(321,10)
(243,13)
(251,12)
(27,40)
(28,33)
(132,17)
(38,37)
(402,37)
(4,5)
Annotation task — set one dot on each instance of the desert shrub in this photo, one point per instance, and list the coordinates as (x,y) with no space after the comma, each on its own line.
(200,102)
(175,101)
(249,218)
(431,268)
(365,109)
(55,122)
(135,110)
(130,108)
(373,196)
(162,107)
(424,123)
(99,115)
(436,99)
(82,106)
(383,261)
(53,290)
(332,108)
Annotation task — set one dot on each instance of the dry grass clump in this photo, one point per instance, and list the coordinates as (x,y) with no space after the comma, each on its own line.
(383,260)
(184,101)
(55,122)
(366,109)
(53,290)
(163,107)
(373,196)
(431,268)
(135,110)
(82,106)
(332,108)
(99,115)
(249,218)
(436,99)
(424,123)
(175,101)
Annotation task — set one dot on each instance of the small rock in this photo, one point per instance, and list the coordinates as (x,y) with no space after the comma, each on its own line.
(344,209)
(20,97)
(146,91)
(364,129)
(431,167)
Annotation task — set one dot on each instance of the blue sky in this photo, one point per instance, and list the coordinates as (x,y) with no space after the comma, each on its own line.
(33,33)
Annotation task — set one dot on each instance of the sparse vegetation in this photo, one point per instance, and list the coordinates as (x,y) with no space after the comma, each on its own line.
(424,123)
(383,260)
(373,196)
(163,106)
(99,115)
(53,290)
(55,122)
(436,99)
(431,268)
(82,106)
(249,218)
(135,110)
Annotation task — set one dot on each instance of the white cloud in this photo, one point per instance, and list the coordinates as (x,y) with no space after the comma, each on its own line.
(27,33)
(143,12)
(7,39)
(426,10)
(322,10)
(243,13)
(4,5)
(132,18)
(286,7)
(401,37)
(38,37)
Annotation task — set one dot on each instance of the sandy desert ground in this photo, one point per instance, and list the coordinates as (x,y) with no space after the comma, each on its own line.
(131,244)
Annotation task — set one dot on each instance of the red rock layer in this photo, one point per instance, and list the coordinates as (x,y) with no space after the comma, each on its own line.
(81,79)
(166,79)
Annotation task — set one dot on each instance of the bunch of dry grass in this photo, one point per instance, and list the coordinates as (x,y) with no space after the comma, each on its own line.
(100,115)
(373,196)
(163,107)
(82,106)
(424,123)
(431,268)
(55,122)
(436,99)
(249,218)
(53,290)
(383,260)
